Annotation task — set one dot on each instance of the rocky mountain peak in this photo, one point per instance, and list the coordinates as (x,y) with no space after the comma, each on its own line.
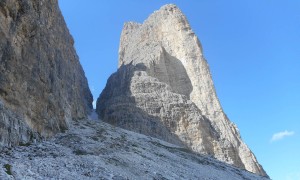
(164,89)
(167,27)
(166,13)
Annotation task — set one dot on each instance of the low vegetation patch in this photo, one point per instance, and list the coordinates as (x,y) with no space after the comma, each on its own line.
(8,169)
(79,152)
(24,144)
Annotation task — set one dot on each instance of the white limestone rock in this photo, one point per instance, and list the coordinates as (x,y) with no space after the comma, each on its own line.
(164,89)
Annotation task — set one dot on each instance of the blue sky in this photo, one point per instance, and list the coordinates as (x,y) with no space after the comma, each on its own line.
(252,47)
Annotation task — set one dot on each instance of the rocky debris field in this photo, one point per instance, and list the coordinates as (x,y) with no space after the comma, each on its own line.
(97,150)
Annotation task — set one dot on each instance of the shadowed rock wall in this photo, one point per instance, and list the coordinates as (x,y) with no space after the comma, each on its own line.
(42,84)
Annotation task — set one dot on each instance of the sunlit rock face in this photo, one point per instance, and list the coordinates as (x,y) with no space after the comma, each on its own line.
(163,88)
(42,84)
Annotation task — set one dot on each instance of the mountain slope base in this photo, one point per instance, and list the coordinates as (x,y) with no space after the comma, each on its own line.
(96,150)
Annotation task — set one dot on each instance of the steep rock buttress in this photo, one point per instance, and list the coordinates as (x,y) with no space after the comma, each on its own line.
(42,84)
(163,88)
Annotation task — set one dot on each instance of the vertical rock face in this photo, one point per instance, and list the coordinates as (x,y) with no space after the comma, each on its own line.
(164,89)
(42,84)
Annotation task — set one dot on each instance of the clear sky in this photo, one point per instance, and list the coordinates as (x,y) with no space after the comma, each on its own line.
(252,47)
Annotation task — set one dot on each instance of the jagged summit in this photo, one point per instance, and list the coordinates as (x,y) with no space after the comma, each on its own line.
(165,11)
(168,7)
(164,89)
(169,20)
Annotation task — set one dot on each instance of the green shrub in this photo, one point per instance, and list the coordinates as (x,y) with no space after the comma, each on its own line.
(8,169)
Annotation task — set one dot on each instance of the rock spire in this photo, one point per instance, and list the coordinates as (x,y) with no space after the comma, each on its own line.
(163,88)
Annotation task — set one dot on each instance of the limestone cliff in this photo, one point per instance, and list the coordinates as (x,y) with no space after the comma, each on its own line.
(42,84)
(164,89)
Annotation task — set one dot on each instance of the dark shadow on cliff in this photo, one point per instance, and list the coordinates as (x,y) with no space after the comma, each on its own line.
(171,71)
(117,106)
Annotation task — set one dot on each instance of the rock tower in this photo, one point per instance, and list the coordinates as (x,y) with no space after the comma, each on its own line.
(163,88)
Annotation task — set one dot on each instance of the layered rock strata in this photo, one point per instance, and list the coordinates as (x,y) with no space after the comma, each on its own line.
(42,84)
(163,88)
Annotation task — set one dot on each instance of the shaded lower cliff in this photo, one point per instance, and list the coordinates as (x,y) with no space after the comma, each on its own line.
(42,84)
